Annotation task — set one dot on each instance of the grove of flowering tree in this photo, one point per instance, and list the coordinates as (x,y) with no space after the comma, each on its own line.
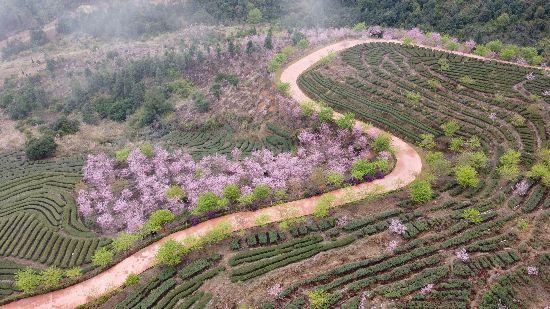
(121,195)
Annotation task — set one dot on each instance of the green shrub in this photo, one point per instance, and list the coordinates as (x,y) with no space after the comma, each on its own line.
(254,16)
(476,159)
(147,149)
(434,84)
(262,192)
(169,253)
(303,44)
(175,192)
(180,87)
(466,176)
(382,165)
(283,88)
(231,192)
(495,46)
(27,280)
(247,199)
(157,220)
(132,279)
(481,50)
(326,115)
(437,162)
(509,172)
(124,241)
(413,96)
(456,144)
(499,98)
(510,157)
(154,107)
(200,101)
(220,232)
(122,155)
(540,171)
(473,142)
(421,191)
(102,257)
(63,126)
(443,64)
(523,224)
(51,277)
(362,167)
(319,299)
(323,205)
(288,51)
(40,148)
(466,80)
(471,214)
(382,142)
(328,58)
(450,128)
(509,164)
(528,53)
(73,273)
(268,42)
(509,52)
(359,27)
(428,141)
(262,220)
(346,121)
(276,63)
(208,201)
(452,46)
(307,108)
(335,179)
(517,120)
(408,41)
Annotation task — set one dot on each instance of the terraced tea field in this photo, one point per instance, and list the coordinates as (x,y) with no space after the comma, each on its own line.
(199,143)
(39,224)
(379,78)
(478,245)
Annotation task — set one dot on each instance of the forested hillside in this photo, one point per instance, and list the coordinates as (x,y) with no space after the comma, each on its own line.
(515,21)
(18,15)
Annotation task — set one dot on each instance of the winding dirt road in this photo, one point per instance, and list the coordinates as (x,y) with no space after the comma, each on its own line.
(407,167)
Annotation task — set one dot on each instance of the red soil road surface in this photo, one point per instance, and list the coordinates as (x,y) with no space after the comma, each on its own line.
(408,165)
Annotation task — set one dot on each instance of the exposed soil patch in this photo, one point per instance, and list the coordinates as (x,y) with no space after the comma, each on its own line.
(10,137)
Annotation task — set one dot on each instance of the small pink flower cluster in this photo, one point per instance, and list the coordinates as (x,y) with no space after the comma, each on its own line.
(397,227)
(521,188)
(532,271)
(462,255)
(427,289)
(392,245)
(275,290)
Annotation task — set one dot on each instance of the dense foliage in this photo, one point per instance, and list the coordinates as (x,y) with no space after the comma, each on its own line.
(520,22)
(149,178)
(40,147)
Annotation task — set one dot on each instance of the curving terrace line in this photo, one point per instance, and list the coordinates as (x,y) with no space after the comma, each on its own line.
(408,165)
